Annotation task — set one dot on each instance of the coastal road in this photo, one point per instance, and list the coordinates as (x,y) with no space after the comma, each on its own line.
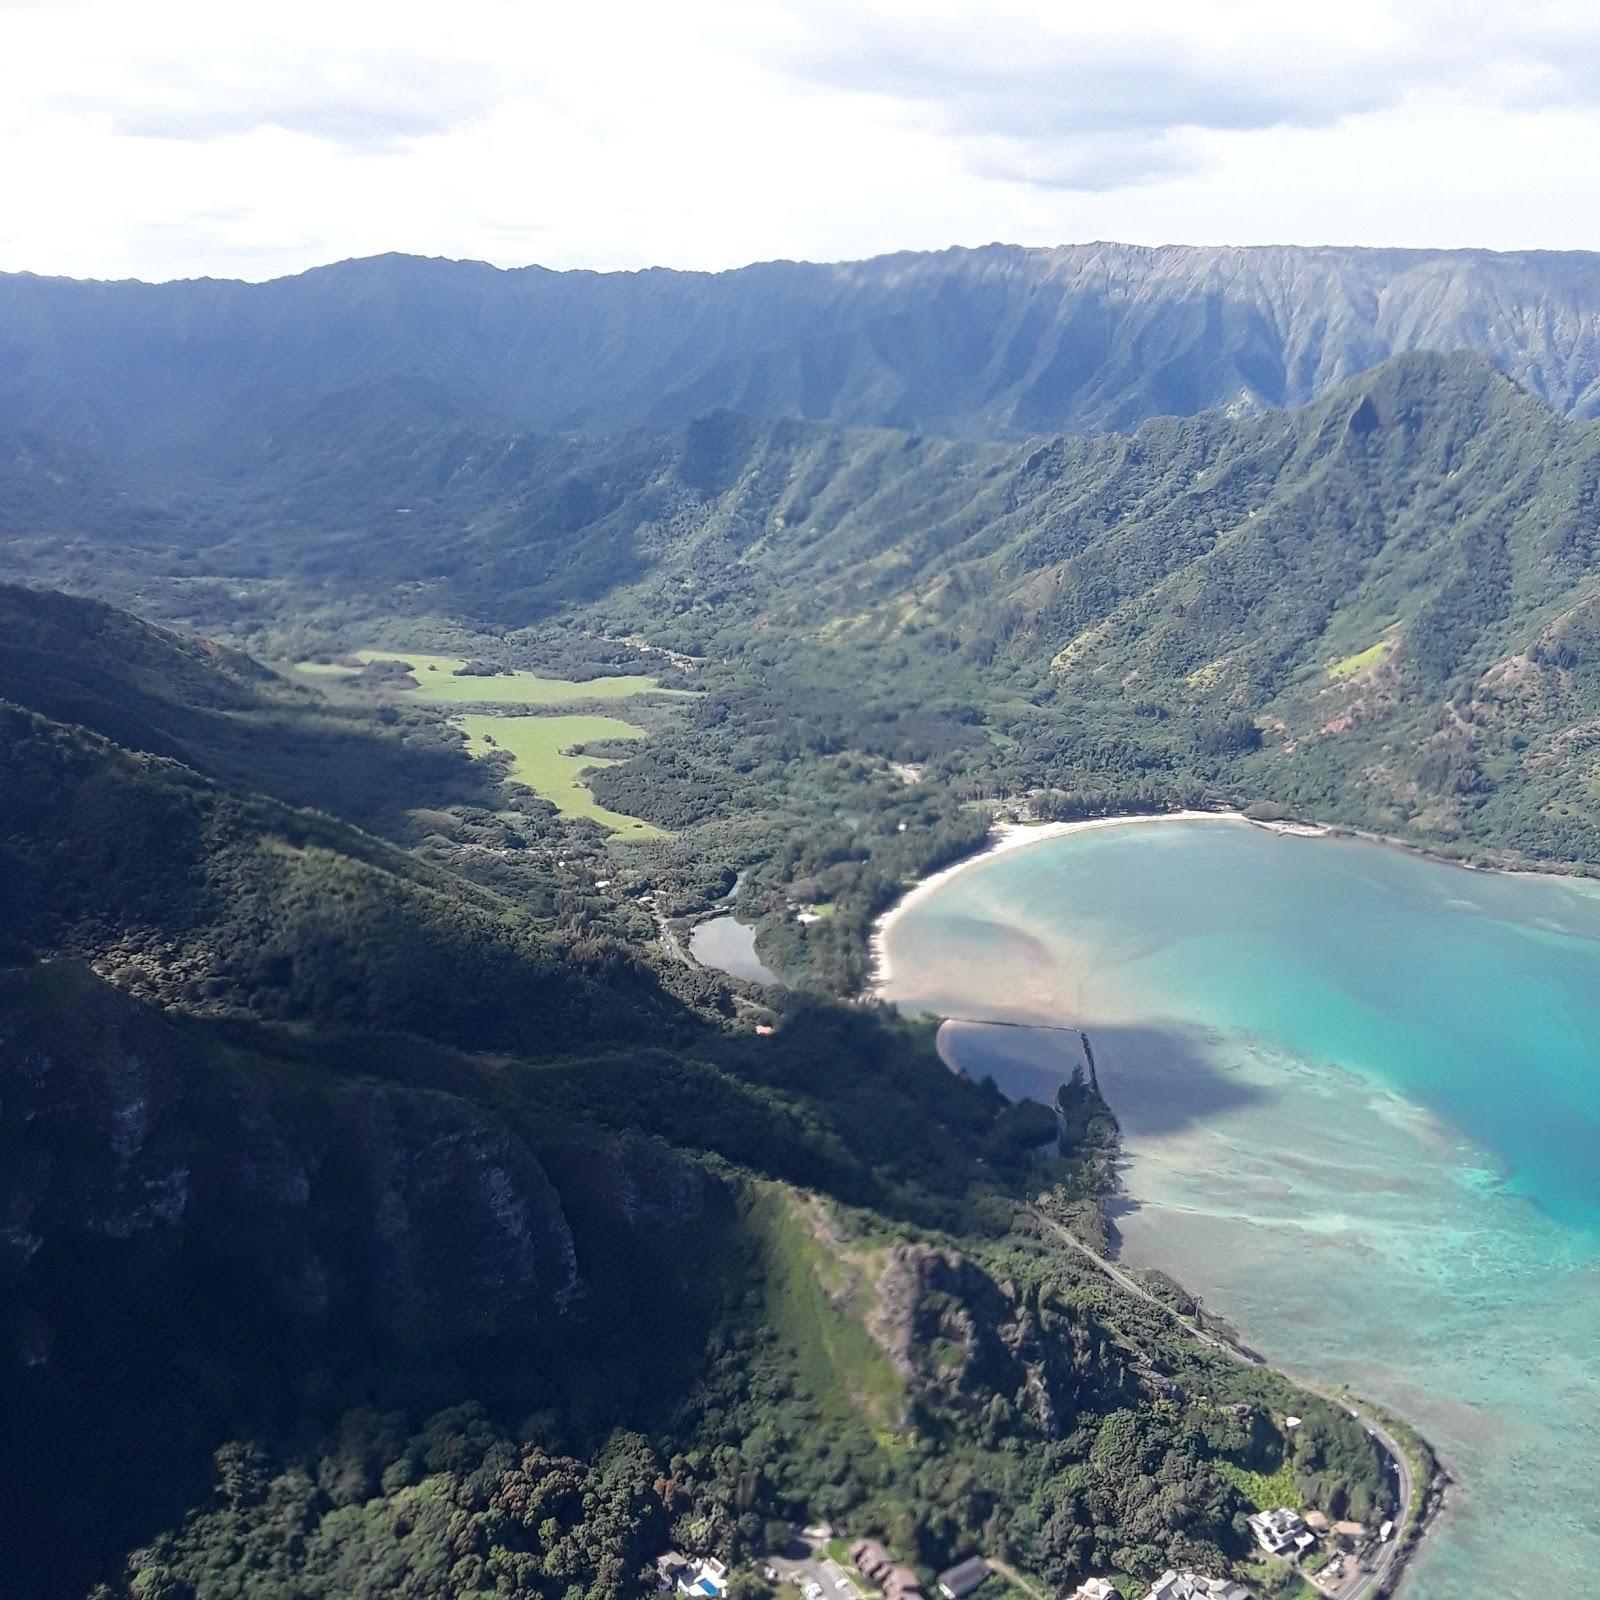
(1364,1581)
(671,943)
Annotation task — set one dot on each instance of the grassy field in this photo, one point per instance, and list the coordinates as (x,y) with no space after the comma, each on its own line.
(539,749)
(817,1303)
(436,681)
(325,669)
(1265,1492)
(1361,660)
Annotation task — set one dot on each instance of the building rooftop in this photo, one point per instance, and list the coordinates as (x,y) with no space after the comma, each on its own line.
(960,1580)
(1095,1589)
(1280,1530)
(1192,1586)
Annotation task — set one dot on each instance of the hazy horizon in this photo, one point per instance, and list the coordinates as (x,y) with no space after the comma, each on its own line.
(1335,246)
(183,141)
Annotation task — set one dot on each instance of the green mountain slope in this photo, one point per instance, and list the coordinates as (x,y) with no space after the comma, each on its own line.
(364,1235)
(1378,608)
(216,710)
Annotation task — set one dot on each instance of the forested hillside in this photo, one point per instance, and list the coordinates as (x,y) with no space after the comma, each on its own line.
(372,1231)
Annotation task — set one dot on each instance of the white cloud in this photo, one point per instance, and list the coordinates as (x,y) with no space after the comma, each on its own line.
(175,138)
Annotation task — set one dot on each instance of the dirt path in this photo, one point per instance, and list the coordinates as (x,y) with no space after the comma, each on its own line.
(1015,1578)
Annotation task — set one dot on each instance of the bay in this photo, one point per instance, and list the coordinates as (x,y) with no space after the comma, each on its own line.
(1360,1094)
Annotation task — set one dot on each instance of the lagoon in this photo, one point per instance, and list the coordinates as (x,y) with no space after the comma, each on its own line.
(1360,1093)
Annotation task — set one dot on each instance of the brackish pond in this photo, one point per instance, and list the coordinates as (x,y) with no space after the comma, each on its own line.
(1360,1094)
(729,946)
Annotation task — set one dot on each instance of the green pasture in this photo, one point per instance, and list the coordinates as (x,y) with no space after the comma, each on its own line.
(1360,661)
(541,754)
(437,681)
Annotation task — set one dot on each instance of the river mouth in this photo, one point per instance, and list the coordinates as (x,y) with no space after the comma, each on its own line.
(1360,1097)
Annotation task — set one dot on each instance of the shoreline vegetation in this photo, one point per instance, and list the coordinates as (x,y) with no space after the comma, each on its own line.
(1412,1461)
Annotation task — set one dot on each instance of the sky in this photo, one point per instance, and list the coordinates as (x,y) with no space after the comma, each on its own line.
(168,138)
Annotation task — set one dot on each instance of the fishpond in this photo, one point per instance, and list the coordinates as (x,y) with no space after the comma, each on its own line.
(730,946)
(1360,1096)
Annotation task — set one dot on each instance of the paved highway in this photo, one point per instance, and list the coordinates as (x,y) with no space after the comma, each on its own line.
(1363,1581)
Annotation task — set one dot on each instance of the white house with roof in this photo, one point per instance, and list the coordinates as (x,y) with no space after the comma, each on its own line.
(1282,1532)
(702,1578)
(1095,1589)
(1192,1586)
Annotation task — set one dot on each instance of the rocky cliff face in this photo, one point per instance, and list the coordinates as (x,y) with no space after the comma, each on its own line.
(961,1339)
(408,1211)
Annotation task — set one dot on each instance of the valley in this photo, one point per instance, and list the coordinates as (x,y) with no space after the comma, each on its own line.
(350,985)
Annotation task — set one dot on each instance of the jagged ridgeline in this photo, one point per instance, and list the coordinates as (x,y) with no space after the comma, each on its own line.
(993,343)
(369,1233)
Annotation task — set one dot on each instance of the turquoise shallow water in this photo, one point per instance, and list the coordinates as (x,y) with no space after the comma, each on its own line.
(1361,1100)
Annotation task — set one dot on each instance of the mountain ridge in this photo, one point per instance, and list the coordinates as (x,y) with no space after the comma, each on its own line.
(997,342)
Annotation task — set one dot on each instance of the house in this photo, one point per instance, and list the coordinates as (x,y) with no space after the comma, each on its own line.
(878,1567)
(705,1579)
(957,1582)
(900,1583)
(1095,1589)
(1191,1586)
(1281,1532)
(870,1558)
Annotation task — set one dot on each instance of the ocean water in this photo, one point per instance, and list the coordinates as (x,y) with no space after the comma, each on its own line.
(1360,1094)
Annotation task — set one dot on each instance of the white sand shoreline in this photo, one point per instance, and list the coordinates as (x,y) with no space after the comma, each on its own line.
(1013,836)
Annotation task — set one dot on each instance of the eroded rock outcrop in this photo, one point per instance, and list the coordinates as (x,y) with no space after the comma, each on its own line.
(127,1139)
(961,1338)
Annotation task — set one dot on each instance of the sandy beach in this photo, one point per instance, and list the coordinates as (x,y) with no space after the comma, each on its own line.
(1013,836)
